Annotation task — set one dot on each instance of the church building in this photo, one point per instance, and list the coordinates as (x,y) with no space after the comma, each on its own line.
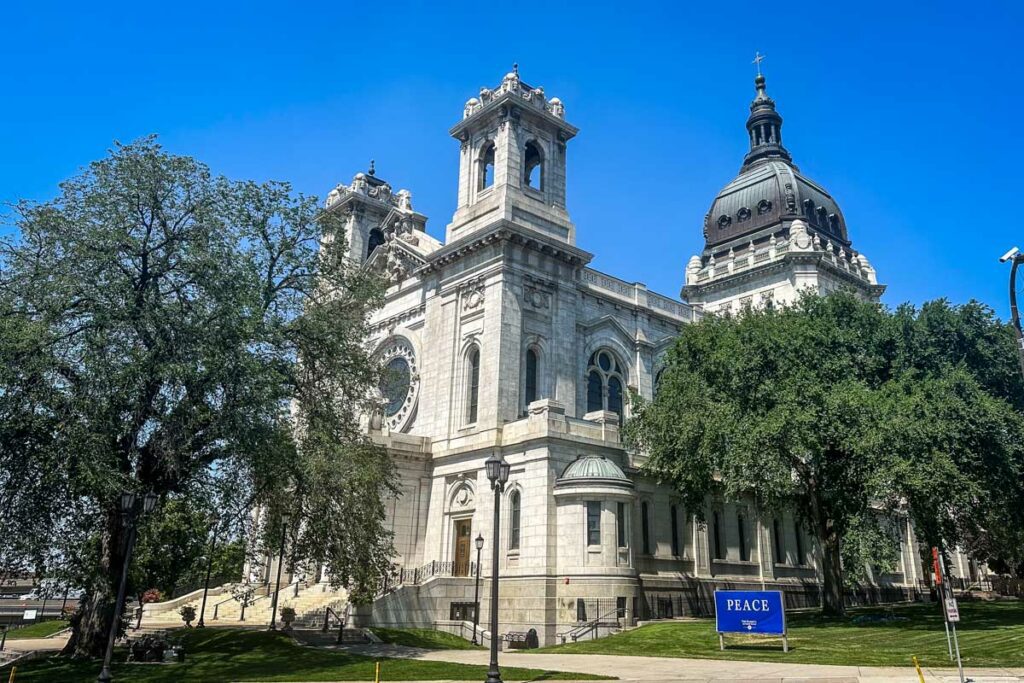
(501,340)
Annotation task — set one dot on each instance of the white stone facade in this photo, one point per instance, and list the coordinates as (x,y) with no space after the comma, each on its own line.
(504,341)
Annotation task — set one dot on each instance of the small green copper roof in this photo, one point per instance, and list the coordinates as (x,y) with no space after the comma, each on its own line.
(593,467)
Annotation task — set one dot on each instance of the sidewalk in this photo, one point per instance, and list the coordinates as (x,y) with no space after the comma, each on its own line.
(703,670)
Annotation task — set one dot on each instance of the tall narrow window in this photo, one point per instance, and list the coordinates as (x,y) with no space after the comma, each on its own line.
(799,544)
(473,377)
(645,531)
(675,530)
(615,395)
(620,524)
(741,524)
(716,529)
(531,376)
(513,522)
(485,163)
(595,389)
(604,382)
(780,557)
(593,523)
(376,239)
(533,166)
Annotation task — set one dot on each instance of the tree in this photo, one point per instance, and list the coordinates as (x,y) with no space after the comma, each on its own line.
(841,410)
(165,329)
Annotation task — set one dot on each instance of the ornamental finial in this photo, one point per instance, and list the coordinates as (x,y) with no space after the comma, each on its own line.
(372,171)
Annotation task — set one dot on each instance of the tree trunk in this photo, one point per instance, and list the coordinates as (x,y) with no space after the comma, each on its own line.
(832,573)
(831,561)
(91,626)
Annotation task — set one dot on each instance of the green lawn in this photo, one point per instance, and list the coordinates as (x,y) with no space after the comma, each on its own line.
(991,634)
(425,638)
(39,630)
(217,655)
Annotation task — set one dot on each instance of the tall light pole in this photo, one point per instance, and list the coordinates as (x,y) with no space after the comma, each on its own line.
(476,598)
(1016,258)
(209,568)
(280,560)
(497,472)
(129,512)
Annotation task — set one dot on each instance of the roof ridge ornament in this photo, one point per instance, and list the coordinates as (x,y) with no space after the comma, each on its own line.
(758,58)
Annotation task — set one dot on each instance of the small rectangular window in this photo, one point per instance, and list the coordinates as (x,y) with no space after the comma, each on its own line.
(620,524)
(780,556)
(593,523)
(620,608)
(717,536)
(675,531)
(799,544)
(645,531)
(741,524)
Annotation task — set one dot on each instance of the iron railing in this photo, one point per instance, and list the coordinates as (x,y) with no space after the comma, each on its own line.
(342,619)
(401,576)
(610,619)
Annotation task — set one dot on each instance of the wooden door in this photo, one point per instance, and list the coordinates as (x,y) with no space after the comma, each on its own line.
(462,546)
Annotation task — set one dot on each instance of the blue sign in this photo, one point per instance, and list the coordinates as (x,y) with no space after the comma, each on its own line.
(750,612)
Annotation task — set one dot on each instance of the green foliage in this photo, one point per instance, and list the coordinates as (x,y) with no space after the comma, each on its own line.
(165,329)
(991,634)
(837,406)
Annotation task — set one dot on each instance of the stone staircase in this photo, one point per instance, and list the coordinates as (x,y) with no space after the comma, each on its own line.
(310,605)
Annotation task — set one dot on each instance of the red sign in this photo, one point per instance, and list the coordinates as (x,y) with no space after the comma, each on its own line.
(935,562)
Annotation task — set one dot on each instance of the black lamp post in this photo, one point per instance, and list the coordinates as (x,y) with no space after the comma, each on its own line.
(209,568)
(1016,258)
(130,512)
(476,598)
(497,472)
(280,560)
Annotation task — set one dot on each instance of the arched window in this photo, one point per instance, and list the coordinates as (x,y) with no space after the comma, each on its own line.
(485,166)
(658,376)
(513,521)
(604,382)
(532,370)
(533,166)
(376,239)
(472,384)
(645,531)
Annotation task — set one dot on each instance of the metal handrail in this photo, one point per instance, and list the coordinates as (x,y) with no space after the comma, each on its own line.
(580,629)
(342,620)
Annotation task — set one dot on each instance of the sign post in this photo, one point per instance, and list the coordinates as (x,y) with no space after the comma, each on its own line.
(940,591)
(950,610)
(750,612)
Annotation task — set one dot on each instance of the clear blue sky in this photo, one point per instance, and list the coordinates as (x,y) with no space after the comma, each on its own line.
(909,113)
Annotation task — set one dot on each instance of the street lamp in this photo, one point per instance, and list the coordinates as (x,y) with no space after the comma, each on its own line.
(497,471)
(1016,258)
(209,568)
(130,513)
(280,560)
(476,598)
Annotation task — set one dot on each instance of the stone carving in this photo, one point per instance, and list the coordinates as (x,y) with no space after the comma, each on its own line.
(799,238)
(405,200)
(472,294)
(536,298)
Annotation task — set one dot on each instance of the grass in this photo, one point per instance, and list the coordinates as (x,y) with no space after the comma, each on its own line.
(990,634)
(425,638)
(41,629)
(216,654)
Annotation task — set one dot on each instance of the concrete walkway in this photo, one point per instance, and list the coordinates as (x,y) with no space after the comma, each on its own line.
(704,670)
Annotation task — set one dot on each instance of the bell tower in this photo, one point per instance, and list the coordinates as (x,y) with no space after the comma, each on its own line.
(512,161)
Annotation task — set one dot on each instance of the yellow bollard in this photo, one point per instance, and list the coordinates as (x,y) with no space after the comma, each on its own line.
(917,666)
(376,675)
(13,670)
